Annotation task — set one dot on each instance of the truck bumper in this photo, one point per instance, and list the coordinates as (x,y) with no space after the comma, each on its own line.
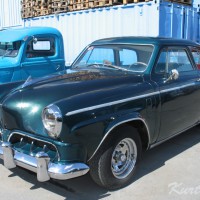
(40,164)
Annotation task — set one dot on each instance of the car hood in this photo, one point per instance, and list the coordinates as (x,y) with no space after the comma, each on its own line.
(22,108)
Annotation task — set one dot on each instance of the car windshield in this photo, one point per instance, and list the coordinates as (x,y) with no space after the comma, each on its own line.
(131,58)
(9,49)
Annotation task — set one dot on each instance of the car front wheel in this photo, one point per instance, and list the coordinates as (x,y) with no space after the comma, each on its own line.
(114,167)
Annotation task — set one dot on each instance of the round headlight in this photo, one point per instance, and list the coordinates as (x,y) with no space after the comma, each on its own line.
(52,120)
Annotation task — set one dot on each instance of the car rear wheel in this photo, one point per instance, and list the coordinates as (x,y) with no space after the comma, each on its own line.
(115,166)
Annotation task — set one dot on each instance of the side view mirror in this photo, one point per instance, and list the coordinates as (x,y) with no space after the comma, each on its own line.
(34,40)
(174,75)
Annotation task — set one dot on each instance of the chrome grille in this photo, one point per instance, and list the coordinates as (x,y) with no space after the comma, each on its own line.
(31,146)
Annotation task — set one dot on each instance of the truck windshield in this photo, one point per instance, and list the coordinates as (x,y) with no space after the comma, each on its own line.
(132,58)
(9,49)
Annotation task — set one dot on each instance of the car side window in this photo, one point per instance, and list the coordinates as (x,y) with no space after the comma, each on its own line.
(41,48)
(196,55)
(127,57)
(178,59)
(173,58)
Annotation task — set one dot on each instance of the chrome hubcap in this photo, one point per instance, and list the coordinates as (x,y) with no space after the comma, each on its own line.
(124,158)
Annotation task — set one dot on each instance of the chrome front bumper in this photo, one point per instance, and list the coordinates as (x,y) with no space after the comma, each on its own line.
(40,164)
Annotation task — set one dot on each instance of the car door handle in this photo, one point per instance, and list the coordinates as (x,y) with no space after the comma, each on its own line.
(198,80)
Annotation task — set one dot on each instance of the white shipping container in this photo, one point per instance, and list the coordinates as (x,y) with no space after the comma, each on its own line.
(155,18)
(196,3)
(82,27)
(10,13)
(142,19)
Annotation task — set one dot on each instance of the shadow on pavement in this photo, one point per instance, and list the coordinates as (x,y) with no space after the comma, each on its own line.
(84,188)
(156,157)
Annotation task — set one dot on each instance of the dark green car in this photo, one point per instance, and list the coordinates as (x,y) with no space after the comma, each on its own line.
(121,96)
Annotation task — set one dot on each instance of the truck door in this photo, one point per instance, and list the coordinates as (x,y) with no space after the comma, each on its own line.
(41,57)
(179,99)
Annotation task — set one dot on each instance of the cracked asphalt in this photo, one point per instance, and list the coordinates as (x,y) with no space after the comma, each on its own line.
(169,171)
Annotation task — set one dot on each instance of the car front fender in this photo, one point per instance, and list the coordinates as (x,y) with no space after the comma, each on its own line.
(129,119)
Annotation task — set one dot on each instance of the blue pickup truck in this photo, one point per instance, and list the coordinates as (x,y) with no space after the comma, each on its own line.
(29,52)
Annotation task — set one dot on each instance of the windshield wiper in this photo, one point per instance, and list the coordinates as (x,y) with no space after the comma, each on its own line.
(100,65)
(117,67)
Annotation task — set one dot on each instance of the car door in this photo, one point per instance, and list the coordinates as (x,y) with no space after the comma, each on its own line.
(179,99)
(41,58)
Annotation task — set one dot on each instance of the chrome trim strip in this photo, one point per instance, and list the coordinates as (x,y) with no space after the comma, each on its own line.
(109,104)
(125,100)
(176,88)
(105,136)
(22,134)
(170,137)
(53,170)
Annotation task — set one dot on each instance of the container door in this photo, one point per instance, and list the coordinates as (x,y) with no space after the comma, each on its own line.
(171,20)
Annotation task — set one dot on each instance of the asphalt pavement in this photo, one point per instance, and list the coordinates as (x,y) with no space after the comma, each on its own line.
(167,172)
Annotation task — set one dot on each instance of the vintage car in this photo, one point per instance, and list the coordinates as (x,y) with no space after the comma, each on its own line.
(121,96)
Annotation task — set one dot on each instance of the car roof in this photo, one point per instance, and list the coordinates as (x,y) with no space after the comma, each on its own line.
(144,40)
(16,34)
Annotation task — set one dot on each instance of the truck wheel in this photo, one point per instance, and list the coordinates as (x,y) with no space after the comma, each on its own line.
(114,167)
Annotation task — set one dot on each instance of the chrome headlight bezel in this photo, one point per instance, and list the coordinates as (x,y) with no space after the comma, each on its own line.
(52,120)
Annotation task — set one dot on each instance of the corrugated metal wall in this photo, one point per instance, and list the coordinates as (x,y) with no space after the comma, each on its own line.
(10,13)
(141,19)
(179,21)
(82,27)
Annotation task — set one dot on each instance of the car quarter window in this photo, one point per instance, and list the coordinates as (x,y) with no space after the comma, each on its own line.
(41,48)
(173,58)
(196,55)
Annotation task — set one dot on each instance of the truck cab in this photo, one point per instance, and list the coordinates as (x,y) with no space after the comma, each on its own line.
(30,52)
